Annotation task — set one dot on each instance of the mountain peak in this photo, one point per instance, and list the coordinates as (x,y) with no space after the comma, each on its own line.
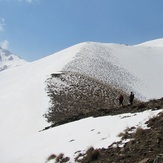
(9,60)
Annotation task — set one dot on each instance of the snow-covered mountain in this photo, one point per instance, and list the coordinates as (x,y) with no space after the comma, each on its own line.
(9,60)
(23,99)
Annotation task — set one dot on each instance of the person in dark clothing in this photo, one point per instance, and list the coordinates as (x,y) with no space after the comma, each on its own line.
(131,98)
(121,98)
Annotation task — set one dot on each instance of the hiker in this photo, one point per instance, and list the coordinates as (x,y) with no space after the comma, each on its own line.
(131,98)
(121,98)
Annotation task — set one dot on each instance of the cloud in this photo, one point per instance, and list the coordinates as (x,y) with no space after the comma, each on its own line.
(28,1)
(2,24)
(4,44)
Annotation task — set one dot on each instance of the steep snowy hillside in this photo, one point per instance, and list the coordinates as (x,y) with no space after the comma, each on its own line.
(9,60)
(23,98)
(127,67)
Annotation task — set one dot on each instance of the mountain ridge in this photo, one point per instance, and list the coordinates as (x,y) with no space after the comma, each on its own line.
(152,43)
(9,60)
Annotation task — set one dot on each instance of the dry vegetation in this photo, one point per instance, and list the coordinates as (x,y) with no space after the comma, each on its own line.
(74,96)
(58,159)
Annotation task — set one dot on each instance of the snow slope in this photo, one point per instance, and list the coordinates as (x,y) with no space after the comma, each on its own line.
(153,43)
(23,99)
(73,138)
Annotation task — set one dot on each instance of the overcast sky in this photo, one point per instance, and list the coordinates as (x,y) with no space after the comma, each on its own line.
(34,29)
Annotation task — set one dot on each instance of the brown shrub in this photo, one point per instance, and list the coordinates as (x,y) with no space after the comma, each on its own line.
(58,159)
(51,157)
(139,132)
(90,155)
